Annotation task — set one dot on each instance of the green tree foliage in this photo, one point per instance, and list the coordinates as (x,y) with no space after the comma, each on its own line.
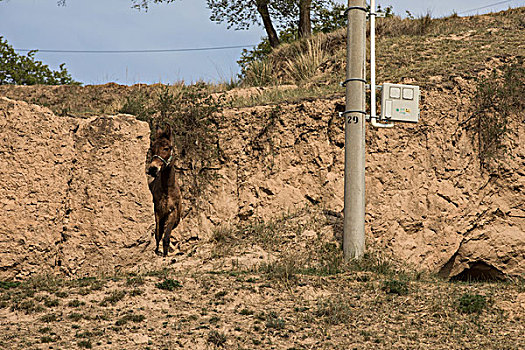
(241,14)
(26,70)
(275,15)
(326,17)
(144,4)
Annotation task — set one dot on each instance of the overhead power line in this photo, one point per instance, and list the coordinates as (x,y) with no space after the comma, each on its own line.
(196,48)
(140,51)
(484,7)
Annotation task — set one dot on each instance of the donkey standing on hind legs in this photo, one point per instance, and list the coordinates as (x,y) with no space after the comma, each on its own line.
(167,199)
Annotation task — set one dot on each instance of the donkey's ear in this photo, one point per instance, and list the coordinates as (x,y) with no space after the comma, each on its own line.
(168,133)
(158,132)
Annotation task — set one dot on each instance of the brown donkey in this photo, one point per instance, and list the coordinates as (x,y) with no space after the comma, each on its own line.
(167,199)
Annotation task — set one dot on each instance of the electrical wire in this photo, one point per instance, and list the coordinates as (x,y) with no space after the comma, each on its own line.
(195,48)
(139,51)
(484,7)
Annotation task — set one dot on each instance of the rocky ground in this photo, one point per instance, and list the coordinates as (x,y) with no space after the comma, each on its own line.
(275,285)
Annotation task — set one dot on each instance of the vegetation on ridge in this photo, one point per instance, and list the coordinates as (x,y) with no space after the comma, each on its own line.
(17,69)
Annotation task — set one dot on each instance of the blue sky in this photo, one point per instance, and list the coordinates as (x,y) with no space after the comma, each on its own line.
(114,25)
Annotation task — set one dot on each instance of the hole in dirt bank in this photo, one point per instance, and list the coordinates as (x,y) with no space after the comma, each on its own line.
(480,271)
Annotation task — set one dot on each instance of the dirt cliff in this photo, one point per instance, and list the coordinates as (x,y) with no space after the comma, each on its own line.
(73,195)
(428,202)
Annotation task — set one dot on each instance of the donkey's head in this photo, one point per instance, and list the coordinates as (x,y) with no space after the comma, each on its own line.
(161,151)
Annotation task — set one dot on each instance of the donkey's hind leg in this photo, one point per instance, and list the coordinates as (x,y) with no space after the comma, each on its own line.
(159,229)
(172,222)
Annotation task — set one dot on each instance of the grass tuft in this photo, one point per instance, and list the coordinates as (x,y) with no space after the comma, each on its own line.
(304,66)
(472,303)
(216,338)
(130,317)
(274,321)
(260,73)
(334,310)
(113,298)
(169,284)
(395,287)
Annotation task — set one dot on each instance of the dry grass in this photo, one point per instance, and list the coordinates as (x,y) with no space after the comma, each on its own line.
(261,73)
(95,100)
(424,51)
(410,49)
(301,296)
(305,64)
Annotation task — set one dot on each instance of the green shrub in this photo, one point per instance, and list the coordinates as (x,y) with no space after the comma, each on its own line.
(75,303)
(472,303)
(51,302)
(49,318)
(216,338)
(27,305)
(194,116)
(85,344)
(136,104)
(9,284)
(130,317)
(169,284)
(246,312)
(395,287)
(26,70)
(44,330)
(75,316)
(498,97)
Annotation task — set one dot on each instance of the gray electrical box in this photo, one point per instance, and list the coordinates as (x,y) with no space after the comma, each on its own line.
(400,103)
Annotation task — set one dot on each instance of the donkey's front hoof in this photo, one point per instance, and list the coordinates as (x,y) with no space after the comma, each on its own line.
(158,252)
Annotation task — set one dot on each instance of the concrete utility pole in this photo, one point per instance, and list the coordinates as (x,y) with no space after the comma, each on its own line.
(354,211)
